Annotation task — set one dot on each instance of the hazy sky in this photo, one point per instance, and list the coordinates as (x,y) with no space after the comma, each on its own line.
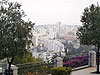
(52,11)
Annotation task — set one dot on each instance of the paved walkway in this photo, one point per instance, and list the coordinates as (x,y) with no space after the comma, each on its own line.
(86,71)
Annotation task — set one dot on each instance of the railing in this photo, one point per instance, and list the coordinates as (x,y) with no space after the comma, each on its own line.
(35,69)
(77,61)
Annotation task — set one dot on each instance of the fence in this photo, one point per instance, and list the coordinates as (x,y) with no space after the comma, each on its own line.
(35,69)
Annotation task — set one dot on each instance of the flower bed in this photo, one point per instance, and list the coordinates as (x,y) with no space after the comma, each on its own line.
(77,61)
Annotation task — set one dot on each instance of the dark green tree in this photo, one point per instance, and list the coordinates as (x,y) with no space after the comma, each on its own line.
(89,33)
(15,33)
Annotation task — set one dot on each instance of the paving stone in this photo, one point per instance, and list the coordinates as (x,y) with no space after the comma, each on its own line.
(86,71)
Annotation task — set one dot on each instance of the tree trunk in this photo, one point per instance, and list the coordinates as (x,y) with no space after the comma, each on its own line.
(98,59)
(9,67)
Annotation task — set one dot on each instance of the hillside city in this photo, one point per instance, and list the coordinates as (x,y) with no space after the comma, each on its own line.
(54,43)
(49,40)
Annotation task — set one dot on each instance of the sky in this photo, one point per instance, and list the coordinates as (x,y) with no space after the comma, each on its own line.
(52,11)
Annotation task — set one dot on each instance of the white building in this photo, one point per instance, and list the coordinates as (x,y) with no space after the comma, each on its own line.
(35,38)
(58,25)
(54,45)
(53,32)
(71,29)
(41,30)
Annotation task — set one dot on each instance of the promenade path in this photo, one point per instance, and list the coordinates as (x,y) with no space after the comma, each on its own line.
(86,71)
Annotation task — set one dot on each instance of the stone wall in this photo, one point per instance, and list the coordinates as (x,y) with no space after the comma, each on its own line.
(92,59)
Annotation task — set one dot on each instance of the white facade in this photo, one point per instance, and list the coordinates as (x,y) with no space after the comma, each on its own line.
(72,29)
(54,45)
(35,38)
(53,32)
(41,30)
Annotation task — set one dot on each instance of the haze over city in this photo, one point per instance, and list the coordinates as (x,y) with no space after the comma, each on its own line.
(50,40)
(52,11)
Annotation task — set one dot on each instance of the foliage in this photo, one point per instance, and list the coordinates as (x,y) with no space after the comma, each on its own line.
(89,33)
(77,61)
(65,59)
(27,58)
(69,48)
(82,50)
(61,71)
(15,33)
(68,45)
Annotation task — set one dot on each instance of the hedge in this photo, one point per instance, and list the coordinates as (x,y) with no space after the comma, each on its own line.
(61,71)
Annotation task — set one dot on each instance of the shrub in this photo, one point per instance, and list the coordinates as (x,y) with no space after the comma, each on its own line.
(61,71)
(77,61)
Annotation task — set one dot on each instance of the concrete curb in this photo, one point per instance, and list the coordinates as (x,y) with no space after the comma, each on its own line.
(79,68)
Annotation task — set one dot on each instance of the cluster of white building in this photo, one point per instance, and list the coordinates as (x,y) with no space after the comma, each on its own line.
(47,40)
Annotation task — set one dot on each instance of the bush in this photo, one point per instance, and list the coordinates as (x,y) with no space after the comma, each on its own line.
(77,61)
(61,71)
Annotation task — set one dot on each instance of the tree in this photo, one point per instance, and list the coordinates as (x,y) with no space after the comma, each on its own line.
(27,58)
(15,33)
(89,33)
